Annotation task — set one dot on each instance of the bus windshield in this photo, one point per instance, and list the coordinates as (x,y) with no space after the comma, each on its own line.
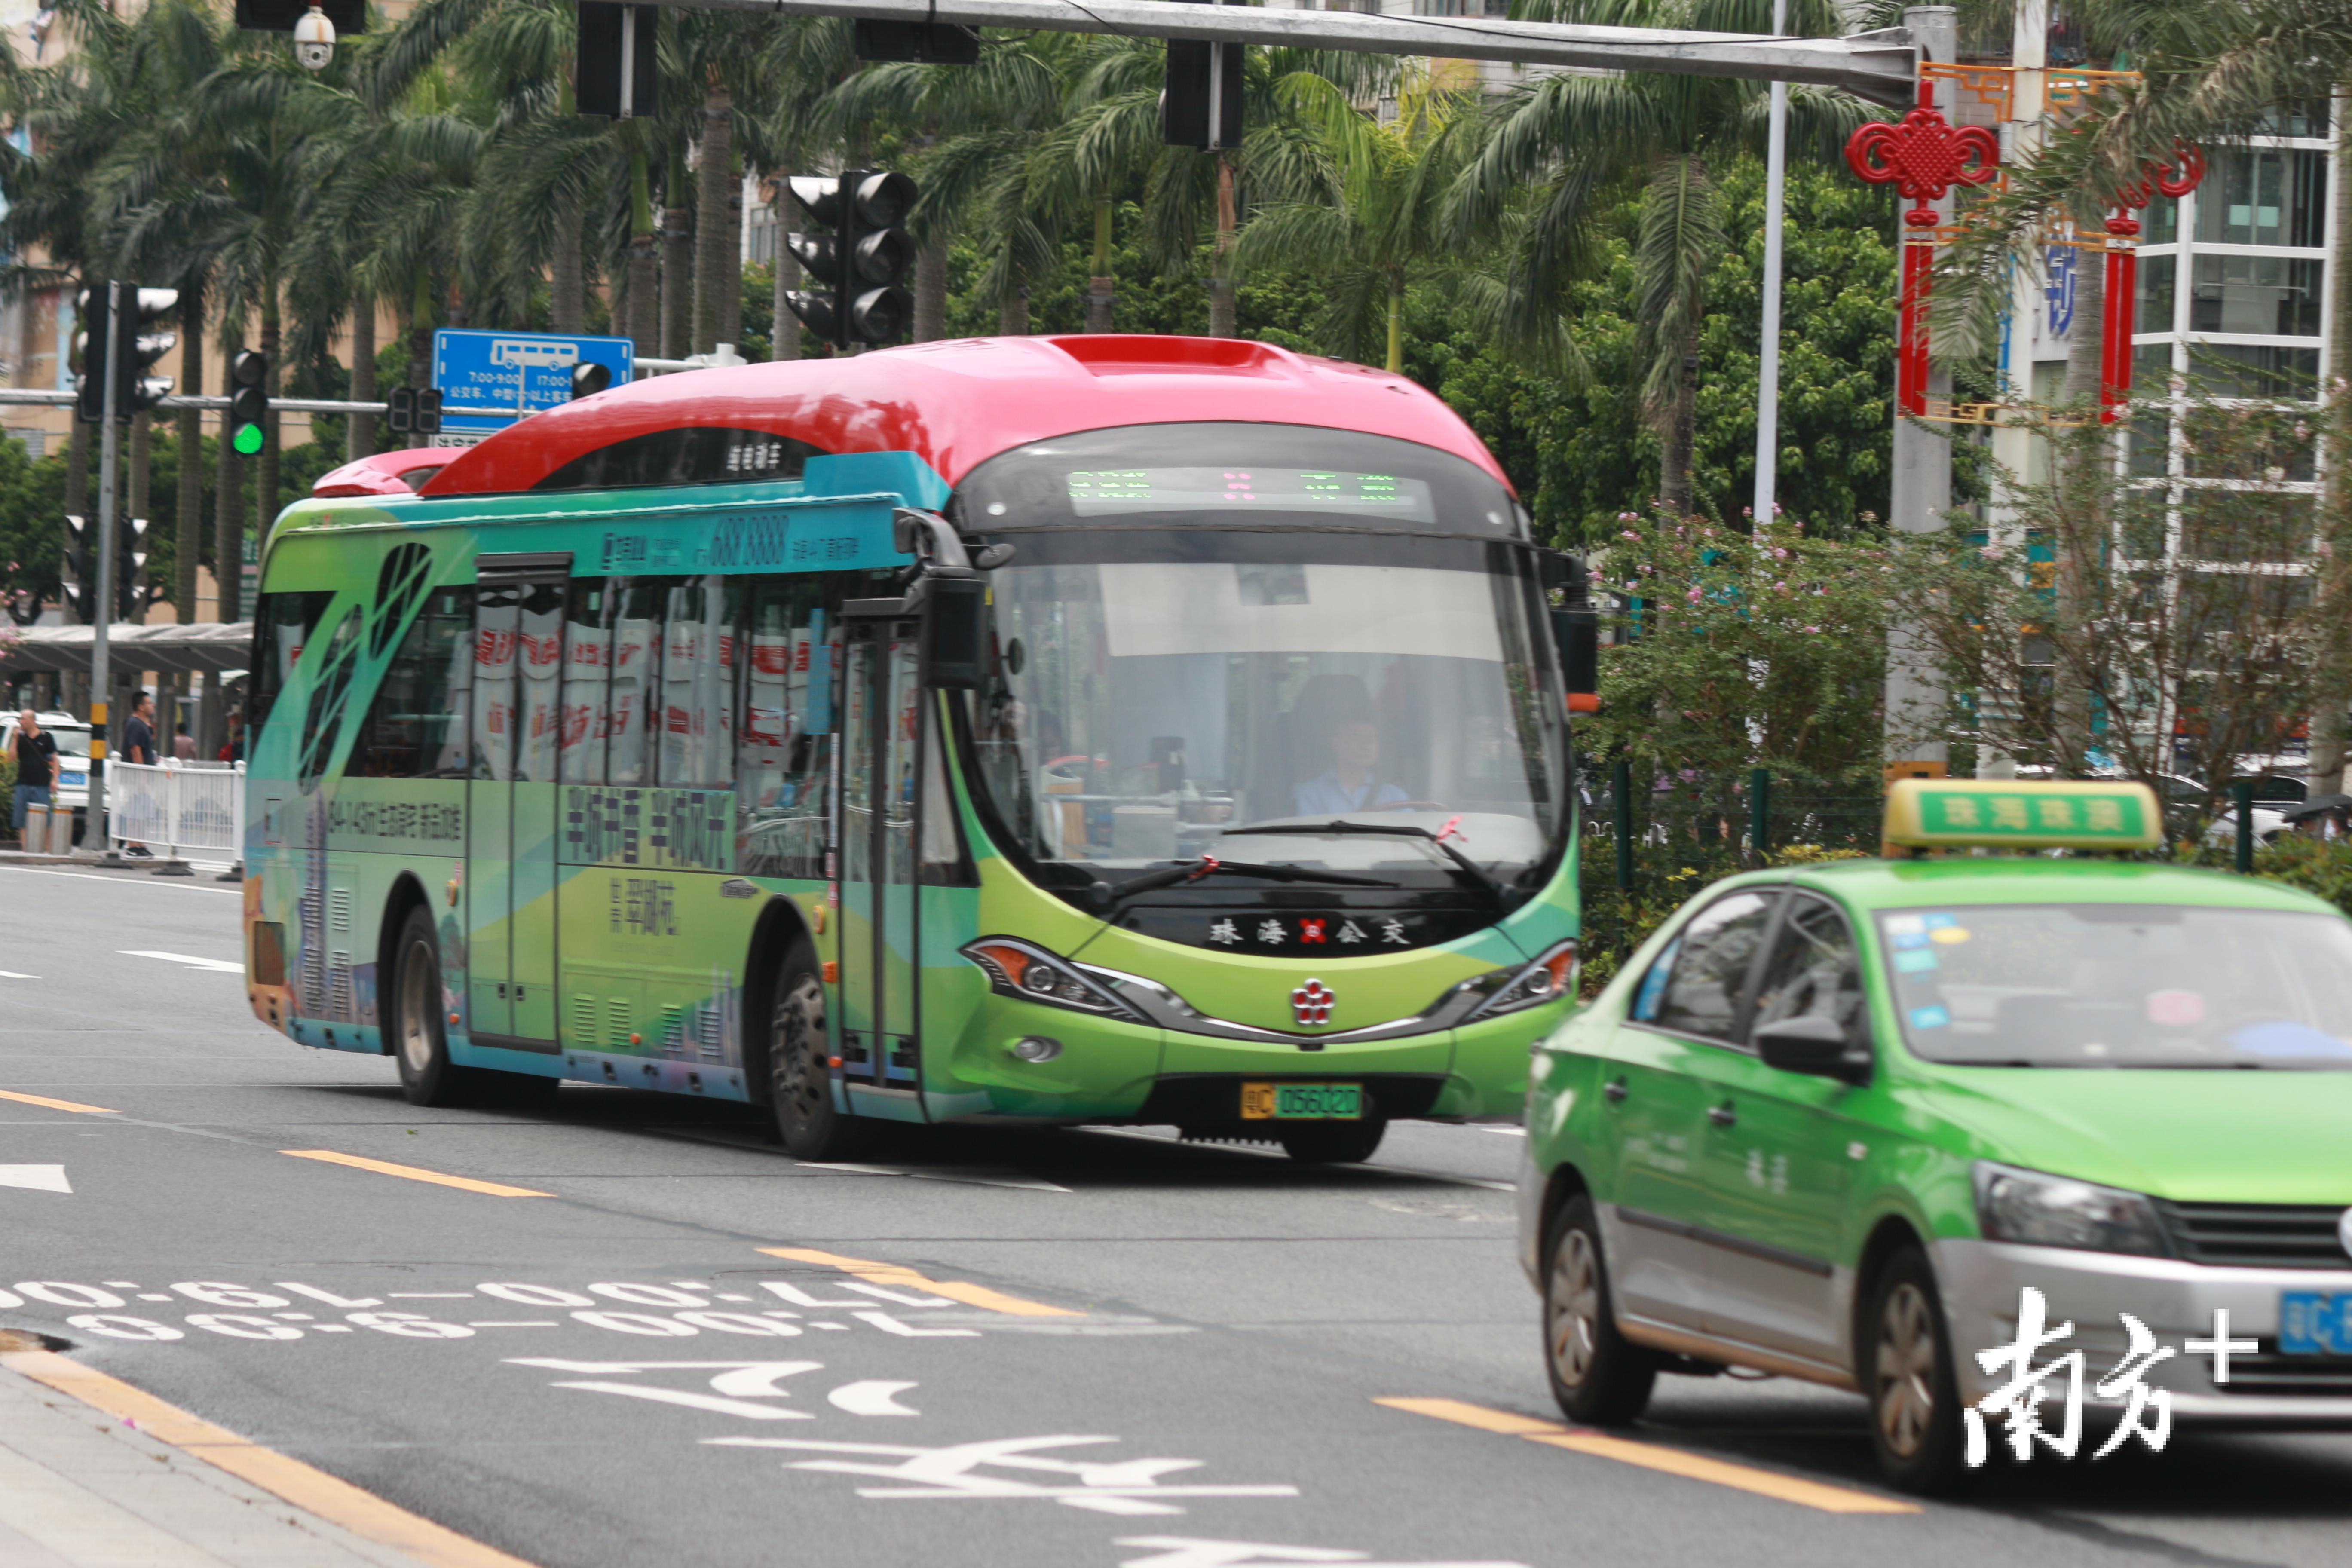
(1287,676)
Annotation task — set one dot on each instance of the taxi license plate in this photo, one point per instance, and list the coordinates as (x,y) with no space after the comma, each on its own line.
(1302,1102)
(72,781)
(2314,1322)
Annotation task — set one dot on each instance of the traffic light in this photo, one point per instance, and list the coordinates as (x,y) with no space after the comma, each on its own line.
(399,411)
(428,412)
(248,402)
(856,267)
(78,567)
(89,407)
(136,348)
(615,64)
(589,378)
(130,568)
(1201,95)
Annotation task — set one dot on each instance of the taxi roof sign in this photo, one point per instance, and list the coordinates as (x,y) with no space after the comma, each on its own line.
(1953,814)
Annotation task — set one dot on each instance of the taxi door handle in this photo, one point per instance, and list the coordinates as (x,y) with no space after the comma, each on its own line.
(1614,1090)
(1723,1115)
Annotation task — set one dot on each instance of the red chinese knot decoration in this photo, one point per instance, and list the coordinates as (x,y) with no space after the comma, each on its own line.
(1923,158)
(2116,323)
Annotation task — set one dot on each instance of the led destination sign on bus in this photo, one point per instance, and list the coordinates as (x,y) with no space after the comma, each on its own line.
(1103,492)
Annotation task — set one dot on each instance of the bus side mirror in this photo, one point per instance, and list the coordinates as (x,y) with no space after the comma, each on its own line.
(955,629)
(1576,632)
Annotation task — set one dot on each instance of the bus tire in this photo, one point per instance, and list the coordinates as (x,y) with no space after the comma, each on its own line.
(420,1045)
(1333,1142)
(800,1067)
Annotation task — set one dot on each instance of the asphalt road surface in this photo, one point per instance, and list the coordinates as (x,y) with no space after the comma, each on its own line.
(1081,1348)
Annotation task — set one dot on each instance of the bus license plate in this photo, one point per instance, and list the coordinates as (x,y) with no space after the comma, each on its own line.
(1302,1102)
(2314,1322)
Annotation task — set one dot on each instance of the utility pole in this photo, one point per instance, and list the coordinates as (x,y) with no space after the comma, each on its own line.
(1767,356)
(102,690)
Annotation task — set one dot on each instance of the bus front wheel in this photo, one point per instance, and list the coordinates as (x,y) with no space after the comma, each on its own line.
(799,1068)
(427,1077)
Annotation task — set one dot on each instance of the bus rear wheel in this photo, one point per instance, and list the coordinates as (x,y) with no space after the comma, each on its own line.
(1334,1143)
(427,1077)
(800,1067)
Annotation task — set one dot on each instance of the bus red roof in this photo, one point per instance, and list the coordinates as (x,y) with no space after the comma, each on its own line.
(956,404)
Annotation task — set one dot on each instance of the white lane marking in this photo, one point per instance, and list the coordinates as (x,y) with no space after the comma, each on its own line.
(872,1396)
(126,881)
(11,974)
(1186,1552)
(711,1401)
(1103,1486)
(333,1329)
(1506,1132)
(328,1297)
(979,1176)
(430,1295)
(532,1323)
(188,960)
(39,1178)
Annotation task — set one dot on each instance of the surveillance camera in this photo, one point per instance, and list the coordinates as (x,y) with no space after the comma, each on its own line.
(314,40)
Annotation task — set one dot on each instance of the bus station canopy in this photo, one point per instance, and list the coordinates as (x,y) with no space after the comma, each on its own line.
(211,647)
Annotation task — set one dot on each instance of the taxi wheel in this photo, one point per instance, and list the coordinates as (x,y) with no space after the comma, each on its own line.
(427,1077)
(800,1067)
(1334,1143)
(1597,1374)
(1914,1405)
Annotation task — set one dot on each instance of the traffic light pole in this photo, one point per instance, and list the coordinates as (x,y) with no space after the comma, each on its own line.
(1881,66)
(101,672)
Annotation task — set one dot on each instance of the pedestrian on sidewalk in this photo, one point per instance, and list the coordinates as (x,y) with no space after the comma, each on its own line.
(139,746)
(37,766)
(183,745)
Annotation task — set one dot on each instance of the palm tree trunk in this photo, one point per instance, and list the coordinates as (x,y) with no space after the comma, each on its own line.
(2331,730)
(228,506)
(567,290)
(139,491)
(1013,315)
(787,331)
(189,528)
(1222,320)
(932,287)
(677,267)
(1100,291)
(713,239)
(731,292)
(362,426)
(1396,321)
(1676,434)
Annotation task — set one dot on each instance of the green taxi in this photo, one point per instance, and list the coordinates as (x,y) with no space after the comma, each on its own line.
(1829,1120)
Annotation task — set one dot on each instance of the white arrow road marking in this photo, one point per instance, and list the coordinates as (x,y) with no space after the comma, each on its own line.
(871,1397)
(711,1402)
(189,960)
(40,1178)
(1102,1486)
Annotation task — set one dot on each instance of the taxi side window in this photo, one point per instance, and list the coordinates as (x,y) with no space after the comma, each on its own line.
(1711,963)
(1813,971)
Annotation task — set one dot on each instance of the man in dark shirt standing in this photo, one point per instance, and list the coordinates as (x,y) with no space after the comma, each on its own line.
(139,746)
(36,765)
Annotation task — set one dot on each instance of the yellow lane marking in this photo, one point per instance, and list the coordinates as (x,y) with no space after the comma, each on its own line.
(337,1501)
(415,1174)
(1657,1457)
(899,1274)
(57,1104)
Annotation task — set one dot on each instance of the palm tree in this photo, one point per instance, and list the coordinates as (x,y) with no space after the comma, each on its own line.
(1564,152)
(1389,223)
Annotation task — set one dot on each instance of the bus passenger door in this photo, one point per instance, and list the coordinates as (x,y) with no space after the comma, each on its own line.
(510,800)
(880,1022)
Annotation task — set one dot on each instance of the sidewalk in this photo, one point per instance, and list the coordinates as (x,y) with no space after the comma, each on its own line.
(84,1488)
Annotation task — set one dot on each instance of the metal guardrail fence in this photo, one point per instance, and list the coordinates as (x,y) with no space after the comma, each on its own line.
(177,808)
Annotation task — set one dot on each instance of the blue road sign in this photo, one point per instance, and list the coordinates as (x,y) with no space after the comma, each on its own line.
(488,380)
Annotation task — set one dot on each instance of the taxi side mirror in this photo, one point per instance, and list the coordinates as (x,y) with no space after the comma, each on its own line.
(1812,1044)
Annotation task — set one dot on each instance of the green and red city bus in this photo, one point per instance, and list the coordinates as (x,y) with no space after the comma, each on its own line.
(1113,730)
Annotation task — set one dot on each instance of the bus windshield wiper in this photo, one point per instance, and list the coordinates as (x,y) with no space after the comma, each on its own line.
(1503,893)
(1210,866)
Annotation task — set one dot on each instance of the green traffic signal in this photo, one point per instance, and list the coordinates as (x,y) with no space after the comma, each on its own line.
(247,440)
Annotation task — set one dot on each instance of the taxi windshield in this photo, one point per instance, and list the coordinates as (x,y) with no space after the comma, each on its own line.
(2122,985)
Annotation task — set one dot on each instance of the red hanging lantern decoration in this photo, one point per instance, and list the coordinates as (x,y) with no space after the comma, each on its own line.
(1922,157)
(2117,322)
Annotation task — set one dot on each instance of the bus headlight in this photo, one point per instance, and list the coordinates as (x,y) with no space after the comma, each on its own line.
(1548,979)
(1023,969)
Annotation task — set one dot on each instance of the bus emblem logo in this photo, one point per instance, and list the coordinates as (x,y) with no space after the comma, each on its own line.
(1311,1004)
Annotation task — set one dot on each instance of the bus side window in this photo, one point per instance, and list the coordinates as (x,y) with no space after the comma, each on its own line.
(282,622)
(415,727)
(696,709)
(587,681)
(539,669)
(784,728)
(637,652)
